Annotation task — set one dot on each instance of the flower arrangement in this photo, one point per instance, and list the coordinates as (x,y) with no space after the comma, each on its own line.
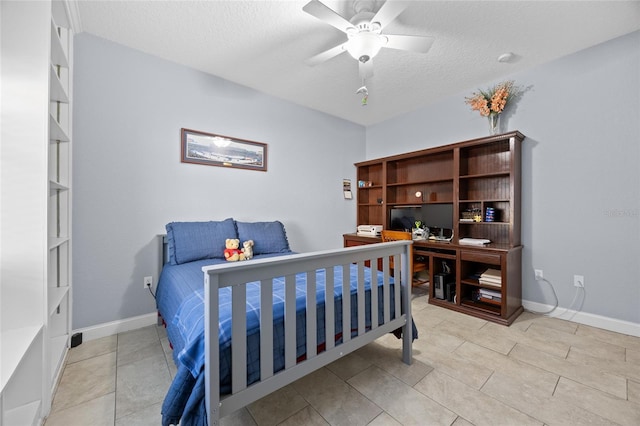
(492,101)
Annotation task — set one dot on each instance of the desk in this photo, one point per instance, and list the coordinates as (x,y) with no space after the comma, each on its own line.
(466,263)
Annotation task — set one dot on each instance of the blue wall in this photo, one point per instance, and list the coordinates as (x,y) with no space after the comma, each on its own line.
(128,181)
(581,180)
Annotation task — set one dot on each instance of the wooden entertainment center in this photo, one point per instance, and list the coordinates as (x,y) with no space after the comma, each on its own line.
(471,176)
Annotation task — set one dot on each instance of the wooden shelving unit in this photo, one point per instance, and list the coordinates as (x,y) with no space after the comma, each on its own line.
(471,175)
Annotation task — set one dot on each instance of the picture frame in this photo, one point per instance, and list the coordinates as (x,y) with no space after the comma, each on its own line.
(225,151)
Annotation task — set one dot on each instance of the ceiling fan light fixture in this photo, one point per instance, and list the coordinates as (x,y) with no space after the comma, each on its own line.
(365,45)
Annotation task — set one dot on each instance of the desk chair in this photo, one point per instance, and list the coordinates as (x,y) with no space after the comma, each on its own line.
(401,235)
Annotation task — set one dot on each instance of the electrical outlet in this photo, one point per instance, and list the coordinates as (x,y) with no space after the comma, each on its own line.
(538,274)
(148,282)
(578,280)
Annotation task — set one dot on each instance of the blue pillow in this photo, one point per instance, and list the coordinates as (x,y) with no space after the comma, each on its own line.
(268,237)
(189,241)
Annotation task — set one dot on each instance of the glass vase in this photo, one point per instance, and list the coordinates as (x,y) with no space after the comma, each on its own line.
(494,124)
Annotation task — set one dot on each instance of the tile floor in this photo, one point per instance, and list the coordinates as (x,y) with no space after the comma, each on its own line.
(465,371)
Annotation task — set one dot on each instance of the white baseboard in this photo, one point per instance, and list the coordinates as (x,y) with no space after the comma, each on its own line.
(115,327)
(599,321)
(593,320)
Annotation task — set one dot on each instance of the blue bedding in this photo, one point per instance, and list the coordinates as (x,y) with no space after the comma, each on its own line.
(180,300)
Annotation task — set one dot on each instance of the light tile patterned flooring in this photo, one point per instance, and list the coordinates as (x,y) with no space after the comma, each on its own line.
(465,371)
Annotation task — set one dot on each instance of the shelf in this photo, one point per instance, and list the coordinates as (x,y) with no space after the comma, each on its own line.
(27,414)
(15,344)
(56,132)
(55,296)
(485,175)
(57,185)
(486,200)
(57,93)
(476,283)
(58,55)
(58,346)
(442,302)
(484,223)
(57,241)
(480,306)
(59,14)
(420,182)
(419,204)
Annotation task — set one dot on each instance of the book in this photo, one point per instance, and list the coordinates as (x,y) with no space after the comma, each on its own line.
(492,294)
(490,283)
(491,277)
(474,241)
(492,274)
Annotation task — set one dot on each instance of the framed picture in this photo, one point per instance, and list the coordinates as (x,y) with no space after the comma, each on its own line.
(218,150)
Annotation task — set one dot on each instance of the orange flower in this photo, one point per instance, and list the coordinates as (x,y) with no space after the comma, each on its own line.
(493,101)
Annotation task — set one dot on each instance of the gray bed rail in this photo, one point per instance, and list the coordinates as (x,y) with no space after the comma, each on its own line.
(237,274)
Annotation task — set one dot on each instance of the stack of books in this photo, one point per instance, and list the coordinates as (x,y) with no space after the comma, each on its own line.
(489,296)
(491,277)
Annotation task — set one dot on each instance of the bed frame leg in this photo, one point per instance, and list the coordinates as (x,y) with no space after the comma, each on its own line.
(407,332)
(407,337)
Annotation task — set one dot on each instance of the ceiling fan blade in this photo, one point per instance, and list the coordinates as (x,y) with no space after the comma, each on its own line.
(324,13)
(420,44)
(365,69)
(388,12)
(326,55)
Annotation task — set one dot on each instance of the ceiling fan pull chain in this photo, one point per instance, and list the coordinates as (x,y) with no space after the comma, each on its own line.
(365,93)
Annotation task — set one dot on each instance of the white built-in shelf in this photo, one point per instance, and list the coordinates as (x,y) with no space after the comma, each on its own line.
(55,296)
(56,132)
(15,344)
(58,55)
(58,347)
(32,353)
(25,414)
(57,242)
(57,185)
(57,91)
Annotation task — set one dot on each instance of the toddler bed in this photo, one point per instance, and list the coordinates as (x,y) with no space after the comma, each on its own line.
(230,352)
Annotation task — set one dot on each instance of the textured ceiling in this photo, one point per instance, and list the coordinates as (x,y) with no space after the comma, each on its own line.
(264,45)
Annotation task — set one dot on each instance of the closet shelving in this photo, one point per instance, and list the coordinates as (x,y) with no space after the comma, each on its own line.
(35,237)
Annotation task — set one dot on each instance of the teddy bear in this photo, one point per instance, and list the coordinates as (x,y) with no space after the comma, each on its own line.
(232,253)
(247,249)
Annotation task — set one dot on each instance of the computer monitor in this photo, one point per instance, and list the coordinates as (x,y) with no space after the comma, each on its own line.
(403,218)
(438,217)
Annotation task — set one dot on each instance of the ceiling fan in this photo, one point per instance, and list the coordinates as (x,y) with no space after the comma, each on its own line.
(364,33)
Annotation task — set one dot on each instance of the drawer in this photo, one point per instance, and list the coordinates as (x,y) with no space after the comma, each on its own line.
(477,256)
